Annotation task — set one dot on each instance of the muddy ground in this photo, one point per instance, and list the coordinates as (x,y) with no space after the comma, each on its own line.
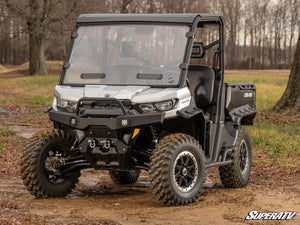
(96,200)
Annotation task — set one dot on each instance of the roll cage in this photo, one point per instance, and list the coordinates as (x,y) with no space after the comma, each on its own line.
(192,20)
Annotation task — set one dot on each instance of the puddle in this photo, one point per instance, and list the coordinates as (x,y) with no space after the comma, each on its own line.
(75,194)
(105,191)
(142,184)
(24,131)
(89,181)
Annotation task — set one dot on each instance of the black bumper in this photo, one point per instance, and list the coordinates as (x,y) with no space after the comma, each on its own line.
(119,122)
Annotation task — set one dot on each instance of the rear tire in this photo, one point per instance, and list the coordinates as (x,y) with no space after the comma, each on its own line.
(237,174)
(124,177)
(177,169)
(33,170)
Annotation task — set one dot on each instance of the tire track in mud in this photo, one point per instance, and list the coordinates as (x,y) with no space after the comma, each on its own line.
(96,200)
(12,188)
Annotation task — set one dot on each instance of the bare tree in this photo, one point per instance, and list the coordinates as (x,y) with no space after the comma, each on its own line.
(121,6)
(39,15)
(231,11)
(294,10)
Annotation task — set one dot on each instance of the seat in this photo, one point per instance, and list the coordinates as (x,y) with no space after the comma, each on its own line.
(201,82)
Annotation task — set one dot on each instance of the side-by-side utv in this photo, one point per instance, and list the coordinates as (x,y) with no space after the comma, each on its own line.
(145,92)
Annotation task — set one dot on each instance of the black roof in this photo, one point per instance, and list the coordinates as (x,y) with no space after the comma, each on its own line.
(165,18)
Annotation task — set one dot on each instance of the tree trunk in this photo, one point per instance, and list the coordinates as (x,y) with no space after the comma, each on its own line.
(42,67)
(33,62)
(37,59)
(124,6)
(291,97)
(245,39)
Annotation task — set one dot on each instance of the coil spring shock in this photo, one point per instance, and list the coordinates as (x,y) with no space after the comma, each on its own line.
(154,135)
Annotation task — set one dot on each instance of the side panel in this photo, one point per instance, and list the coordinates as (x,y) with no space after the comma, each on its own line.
(240,103)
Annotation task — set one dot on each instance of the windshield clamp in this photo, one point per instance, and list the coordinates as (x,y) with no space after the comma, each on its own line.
(66,65)
(74,34)
(190,34)
(183,66)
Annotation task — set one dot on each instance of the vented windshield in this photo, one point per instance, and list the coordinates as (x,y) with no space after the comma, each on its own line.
(127,55)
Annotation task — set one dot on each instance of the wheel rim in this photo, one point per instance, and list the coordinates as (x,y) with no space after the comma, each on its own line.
(185,171)
(52,176)
(244,159)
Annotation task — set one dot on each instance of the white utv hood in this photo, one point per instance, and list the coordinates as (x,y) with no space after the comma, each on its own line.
(137,94)
(98,91)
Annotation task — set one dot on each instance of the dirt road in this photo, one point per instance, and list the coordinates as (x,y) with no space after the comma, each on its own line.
(96,200)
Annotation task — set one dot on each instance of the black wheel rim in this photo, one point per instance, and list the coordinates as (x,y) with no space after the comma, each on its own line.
(185,171)
(54,177)
(244,159)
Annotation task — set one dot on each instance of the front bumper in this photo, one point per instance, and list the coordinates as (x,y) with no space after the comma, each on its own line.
(119,122)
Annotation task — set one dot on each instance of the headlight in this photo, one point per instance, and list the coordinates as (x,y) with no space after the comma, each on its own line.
(164,106)
(69,105)
(160,106)
(146,108)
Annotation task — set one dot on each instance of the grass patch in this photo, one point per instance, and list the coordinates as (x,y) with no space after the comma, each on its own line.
(269,77)
(29,90)
(273,77)
(268,95)
(6,131)
(270,84)
(41,80)
(279,142)
(2,149)
(39,100)
(52,66)
(277,81)
(34,88)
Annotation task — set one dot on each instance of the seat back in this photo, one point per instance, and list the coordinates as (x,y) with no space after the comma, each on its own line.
(201,81)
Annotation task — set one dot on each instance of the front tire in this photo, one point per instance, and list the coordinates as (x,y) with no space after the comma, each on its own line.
(177,170)
(237,174)
(37,179)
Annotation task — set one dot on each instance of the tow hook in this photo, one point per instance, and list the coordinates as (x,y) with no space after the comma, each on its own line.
(92,143)
(106,144)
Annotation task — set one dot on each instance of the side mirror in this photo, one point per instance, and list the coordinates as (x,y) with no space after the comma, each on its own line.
(198,50)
